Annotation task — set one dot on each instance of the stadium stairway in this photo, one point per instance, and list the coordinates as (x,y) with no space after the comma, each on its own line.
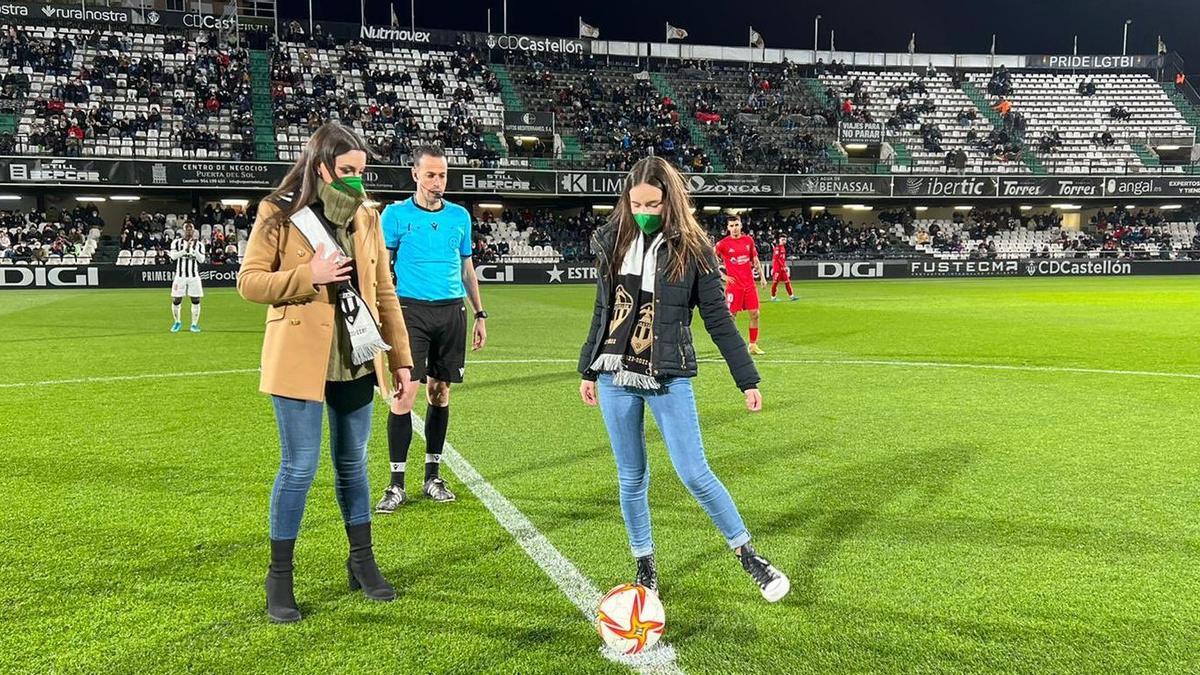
(1147,156)
(264,110)
(106,250)
(903,156)
(814,85)
(981,104)
(1190,112)
(512,102)
(698,136)
(492,140)
(1186,108)
(835,154)
(572,150)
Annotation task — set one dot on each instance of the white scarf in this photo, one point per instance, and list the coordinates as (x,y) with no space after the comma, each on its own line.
(365,339)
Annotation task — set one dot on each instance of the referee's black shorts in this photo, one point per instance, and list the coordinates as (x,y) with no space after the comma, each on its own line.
(437,336)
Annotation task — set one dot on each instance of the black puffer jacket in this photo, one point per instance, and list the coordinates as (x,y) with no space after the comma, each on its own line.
(672,353)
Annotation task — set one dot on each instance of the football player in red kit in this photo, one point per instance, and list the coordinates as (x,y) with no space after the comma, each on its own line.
(779,269)
(740,257)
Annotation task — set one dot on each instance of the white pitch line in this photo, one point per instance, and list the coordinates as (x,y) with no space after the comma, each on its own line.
(579,589)
(898,364)
(971,366)
(763,362)
(127,378)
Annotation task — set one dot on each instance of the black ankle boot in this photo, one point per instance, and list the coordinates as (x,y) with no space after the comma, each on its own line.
(361,568)
(281,602)
(647,573)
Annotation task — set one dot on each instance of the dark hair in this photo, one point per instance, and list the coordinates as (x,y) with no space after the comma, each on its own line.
(299,187)
(686,240)
(733,218)
(426,150)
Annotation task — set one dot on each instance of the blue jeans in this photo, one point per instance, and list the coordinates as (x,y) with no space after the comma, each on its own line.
(349,405)
(674,410)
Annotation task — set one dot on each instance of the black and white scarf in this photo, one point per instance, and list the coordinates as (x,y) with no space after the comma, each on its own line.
(628,346)
(365,339)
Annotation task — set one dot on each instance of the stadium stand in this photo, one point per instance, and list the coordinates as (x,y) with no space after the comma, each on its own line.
(764,119)
(124,93)
(820,235)
(396,97)
(613,114)
(146,238)
(928,116)
(1119,233)
(1053,103)
(33,239)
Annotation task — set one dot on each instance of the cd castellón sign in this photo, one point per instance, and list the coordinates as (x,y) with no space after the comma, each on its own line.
(536,45)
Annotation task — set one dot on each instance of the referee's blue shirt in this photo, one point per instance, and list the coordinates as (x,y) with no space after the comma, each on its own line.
(430,247)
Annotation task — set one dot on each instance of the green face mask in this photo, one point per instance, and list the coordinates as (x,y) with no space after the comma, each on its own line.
(648,223)
(353,186)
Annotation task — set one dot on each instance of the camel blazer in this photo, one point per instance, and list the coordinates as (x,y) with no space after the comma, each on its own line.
(300,320)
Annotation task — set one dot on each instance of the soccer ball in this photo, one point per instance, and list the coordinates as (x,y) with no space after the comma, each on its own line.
(631,619)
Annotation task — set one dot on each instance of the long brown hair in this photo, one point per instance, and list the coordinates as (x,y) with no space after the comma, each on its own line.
(686,240)
(331,140)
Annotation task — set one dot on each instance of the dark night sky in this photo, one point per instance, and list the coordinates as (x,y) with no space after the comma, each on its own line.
(942,26)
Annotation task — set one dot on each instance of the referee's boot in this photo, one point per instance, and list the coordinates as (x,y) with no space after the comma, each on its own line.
(361,569)
(394,497)
(435,489)
(281,601)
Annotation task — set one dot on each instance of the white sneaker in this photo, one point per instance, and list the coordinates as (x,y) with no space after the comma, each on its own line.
(771,582)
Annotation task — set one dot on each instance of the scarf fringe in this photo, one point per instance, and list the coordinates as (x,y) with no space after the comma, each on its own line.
(612,363)
(368,351)
(625,378)
(607,363)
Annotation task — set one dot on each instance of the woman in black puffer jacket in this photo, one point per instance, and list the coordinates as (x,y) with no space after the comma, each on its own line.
(655,265)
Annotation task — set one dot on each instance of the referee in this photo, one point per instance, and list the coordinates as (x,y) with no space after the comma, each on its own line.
(431,241)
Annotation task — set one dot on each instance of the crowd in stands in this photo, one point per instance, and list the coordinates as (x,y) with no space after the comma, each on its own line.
(1123,231)
(629,121)
(391,126)
(568,235)
(827,236)
(214,80)
(152,233)
(38,238)
(819,235)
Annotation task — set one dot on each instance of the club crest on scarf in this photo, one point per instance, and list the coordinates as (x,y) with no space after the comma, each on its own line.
(622,307)
(349,305)
(643,332)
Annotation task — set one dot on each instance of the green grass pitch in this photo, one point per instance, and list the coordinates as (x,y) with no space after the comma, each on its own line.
(933,519)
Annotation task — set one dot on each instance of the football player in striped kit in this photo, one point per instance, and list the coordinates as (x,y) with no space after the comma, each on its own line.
(188,252)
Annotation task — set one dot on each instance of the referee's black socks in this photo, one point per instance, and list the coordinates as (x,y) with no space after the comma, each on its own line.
(399,438)
(437,420)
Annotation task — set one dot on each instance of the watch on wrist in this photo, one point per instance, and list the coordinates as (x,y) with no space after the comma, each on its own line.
(481,314)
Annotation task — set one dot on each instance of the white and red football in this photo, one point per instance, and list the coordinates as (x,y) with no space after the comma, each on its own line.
(631,619)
